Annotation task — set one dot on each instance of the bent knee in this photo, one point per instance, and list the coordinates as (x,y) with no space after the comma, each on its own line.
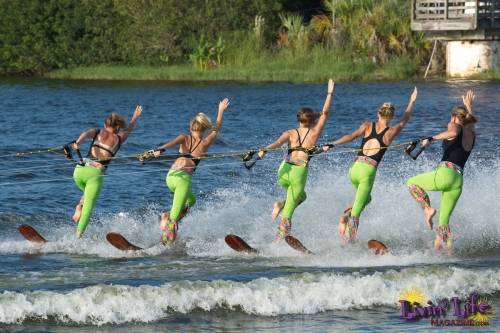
(411,182)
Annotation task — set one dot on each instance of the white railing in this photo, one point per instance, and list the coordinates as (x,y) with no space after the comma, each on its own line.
(425,10)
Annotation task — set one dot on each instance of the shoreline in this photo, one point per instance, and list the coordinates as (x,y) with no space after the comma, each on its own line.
(189,74)
(287,73)
(311,74)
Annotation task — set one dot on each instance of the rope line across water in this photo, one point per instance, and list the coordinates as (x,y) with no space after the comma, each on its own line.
(209,157)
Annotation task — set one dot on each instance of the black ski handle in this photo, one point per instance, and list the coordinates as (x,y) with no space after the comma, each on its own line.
(148,154)
(417,153)
(67,148)
(250,164)
(249,160)
(410,149)
(319,148)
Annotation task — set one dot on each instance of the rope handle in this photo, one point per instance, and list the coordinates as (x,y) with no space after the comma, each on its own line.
(409,149)
(67,148)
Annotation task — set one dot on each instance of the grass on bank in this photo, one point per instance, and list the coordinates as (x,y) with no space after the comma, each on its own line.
(488,75)
(297,70)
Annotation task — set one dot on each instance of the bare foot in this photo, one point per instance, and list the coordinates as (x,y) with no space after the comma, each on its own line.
(343,219)
(342,225)
(277,207)
(429,213)
(164,219)
(438,244)
(78,212)
(78,234)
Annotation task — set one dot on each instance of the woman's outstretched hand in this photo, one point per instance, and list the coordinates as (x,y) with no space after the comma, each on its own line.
(326,148)
(331,86)
(468,100)
(414,95)
(426,143)
(137,112)
(223,105)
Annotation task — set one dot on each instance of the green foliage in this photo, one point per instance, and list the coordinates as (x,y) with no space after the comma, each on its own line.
(295,34)
(318,66)
(206,54)
(40,35)
(173,28)
(37,36)
(376,29)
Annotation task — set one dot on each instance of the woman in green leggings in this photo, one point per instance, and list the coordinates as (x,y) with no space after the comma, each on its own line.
(192,147)
(292,174)
(377,136)
(89,177)
(447,178)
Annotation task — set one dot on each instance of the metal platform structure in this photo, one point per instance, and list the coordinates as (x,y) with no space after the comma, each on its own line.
(457,20)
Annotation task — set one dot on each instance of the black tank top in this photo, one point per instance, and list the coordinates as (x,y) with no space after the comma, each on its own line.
(454,152)
(380,138)
(299,147)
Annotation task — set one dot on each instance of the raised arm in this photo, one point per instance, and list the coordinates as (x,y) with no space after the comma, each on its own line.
(84,135)
(223,105)
(326,107)
(276,144)
(406,116)
(468,100)
(137,113)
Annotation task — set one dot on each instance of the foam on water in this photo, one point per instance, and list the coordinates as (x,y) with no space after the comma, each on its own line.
(295,294)
(392,217)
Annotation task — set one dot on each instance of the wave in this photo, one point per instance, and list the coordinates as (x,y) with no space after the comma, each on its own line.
(304,293)
(243,208)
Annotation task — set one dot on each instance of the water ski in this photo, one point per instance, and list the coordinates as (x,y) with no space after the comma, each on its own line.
(238,244)
(31,235)
(377,246)
(121,243)
(297,245)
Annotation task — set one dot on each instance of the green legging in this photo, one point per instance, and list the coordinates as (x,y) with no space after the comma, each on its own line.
(362,176)
(89,180)
(293,178)
(179,183)
(443,179)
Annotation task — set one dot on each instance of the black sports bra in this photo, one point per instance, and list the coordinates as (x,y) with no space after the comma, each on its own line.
(309,151)
(98,144)
(189,155)
(380,138)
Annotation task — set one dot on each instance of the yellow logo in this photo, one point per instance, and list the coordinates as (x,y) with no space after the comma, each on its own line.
(483,317)
(413,295)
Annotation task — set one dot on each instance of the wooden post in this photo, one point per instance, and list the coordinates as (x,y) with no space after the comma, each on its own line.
(430,60)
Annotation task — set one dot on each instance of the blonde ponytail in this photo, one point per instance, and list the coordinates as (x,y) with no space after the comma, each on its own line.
(460,112)
(386,110)
(200,123)
(115,120)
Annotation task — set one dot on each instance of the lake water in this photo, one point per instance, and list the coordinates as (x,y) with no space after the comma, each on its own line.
(201,284)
